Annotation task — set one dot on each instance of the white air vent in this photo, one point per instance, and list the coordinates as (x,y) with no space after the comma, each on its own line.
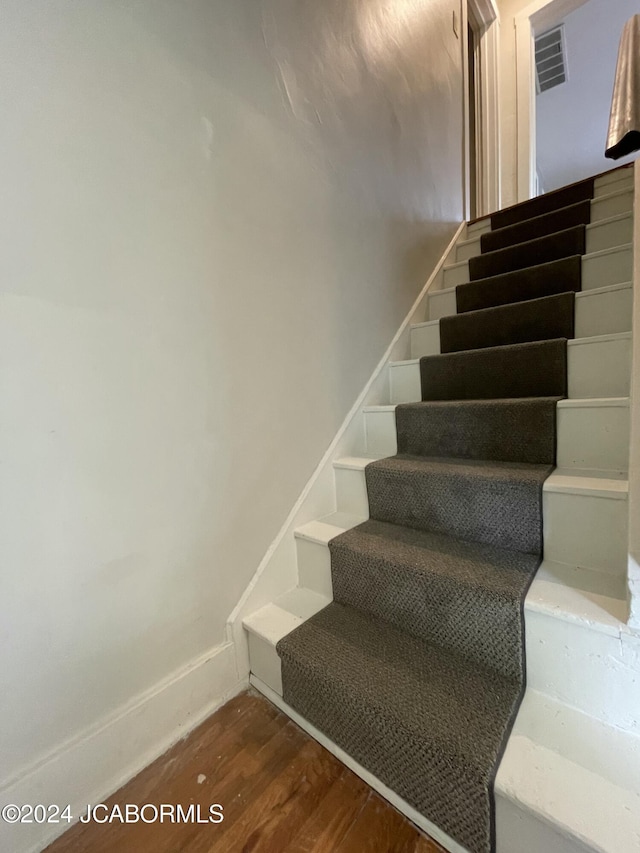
(551,62)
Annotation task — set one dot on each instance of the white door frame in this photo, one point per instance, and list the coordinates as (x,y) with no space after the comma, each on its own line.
(485,21)
(536,16)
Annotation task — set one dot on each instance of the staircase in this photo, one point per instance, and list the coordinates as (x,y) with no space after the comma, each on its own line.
(457,635)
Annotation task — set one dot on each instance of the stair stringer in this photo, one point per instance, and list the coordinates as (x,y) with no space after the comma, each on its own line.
(634,460)
(277,573)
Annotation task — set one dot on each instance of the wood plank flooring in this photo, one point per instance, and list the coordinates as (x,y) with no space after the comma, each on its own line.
(280,790)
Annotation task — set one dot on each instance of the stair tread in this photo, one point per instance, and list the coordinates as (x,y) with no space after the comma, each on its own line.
(544,203)
(506,288)
(364,644)
(280,617)
(613,250)
(323,529)
(578,213)
(594,483)
(425,552)
(599,291)
(499,472)
(594,339)
(553,247)
(554,749)
(498,503)
(542,318)
(519,429)
(514,370)
(593,599)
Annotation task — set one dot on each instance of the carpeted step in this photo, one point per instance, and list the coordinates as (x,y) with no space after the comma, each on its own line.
(530,283)
(562,244)
(543,204)
(429,724)
(515,430)
(522,370)
(440,589)
(534,320)
(498,503)
(539,226)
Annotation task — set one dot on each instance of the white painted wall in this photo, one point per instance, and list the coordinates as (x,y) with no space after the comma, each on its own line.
(572,120)
(213,218)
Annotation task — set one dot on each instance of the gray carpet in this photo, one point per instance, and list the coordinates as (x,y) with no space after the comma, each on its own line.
(427,722)
(563,244)
(535,320)
(417,668)
(562,276)
(522,370)
(539,226)
(543,204)
(512,430)
(498,503)
(440,589)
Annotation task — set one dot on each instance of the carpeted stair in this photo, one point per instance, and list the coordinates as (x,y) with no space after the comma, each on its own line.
(562,276)
(542,250)
(540,226)
(536,369)
(520,322)
(417,668)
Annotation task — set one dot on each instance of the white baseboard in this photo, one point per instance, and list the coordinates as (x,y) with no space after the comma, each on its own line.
(98,761)
(277,572)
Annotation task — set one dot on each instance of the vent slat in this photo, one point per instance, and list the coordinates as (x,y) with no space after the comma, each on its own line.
(548,52)
(550,58)
(550,65)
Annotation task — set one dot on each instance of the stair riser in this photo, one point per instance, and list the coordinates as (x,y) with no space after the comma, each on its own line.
(523,832)
(596,368)
(599,271)
(604,182)
(477,229)
(579,530)
(265,662)
(582,668)
(404,382)
(597,313)
(380,434)
(601,208)
(588,437)
(595,438)
(612,182)
(314,566)
(351,492)
(599,368)
(603,313)
(590,532)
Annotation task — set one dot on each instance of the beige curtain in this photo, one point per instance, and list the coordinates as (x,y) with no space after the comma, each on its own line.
(624,124)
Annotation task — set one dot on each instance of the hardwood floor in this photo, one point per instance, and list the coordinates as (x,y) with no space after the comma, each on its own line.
(280,791)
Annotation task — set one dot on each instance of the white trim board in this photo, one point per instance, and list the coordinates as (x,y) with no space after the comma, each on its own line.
(278,572)
(483,15)
(89,767)
(634,458)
